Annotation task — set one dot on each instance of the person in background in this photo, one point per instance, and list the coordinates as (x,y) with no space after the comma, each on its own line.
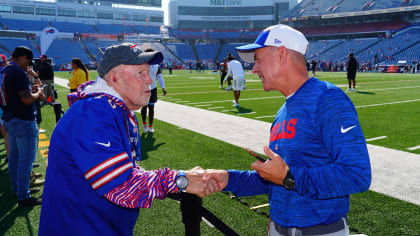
(156,74)
(46,75)
(351,72)
(170,66)
(223,68)
(313,66)
(80,74)
(18,98)
(235,70)
(3,131)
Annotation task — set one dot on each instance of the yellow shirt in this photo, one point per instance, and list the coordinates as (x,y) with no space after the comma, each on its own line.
(77,78)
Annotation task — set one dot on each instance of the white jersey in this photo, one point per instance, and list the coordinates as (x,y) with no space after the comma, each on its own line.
(153,74)
(236,70)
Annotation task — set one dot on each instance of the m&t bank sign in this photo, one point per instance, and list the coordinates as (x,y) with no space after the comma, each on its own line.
(225,2)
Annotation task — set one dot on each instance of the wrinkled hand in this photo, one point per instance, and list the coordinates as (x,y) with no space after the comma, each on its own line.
(273,170)
(197,184)
(220,176)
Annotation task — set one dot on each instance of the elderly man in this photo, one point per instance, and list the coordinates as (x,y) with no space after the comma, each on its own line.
(318,155)
(93,186)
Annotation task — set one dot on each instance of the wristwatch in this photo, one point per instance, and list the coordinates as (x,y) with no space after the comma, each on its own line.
(181,181)
(289,182)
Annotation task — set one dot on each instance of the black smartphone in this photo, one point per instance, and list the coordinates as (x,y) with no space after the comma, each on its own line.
(254,154)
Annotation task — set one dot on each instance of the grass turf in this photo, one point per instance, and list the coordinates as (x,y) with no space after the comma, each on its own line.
(370,213)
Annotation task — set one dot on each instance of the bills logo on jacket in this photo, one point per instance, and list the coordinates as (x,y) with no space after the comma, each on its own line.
(283,130)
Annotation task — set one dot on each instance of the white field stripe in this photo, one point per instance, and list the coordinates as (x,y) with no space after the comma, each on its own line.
(204,105)
(105,164)
(260,117)
(251,112)
(211,108)
(207,222)
(388,103)
(202,86)
(230,100)
(229,110)
(414,148)
(389,88)
(111,175)
(376,138)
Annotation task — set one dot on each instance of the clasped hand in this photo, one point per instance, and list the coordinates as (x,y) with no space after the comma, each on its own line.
(204,182)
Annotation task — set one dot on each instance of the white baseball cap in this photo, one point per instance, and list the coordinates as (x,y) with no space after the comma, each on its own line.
(276,36)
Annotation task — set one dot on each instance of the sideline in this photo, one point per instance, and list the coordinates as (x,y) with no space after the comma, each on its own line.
(394,173)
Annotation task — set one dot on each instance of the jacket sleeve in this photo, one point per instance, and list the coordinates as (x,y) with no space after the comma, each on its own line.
(246,183)
(142,187)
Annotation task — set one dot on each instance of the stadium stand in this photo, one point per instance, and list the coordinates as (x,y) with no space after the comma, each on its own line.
(23,25)
(182,50)
(10,44)
(73,27)
(114,29)
(206,51)
(322,7)
(63,51)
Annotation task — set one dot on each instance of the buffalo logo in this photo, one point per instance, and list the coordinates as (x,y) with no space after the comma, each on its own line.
(277,41)
(283,130)
(50,31)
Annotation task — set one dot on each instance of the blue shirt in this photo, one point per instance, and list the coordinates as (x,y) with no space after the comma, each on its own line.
(14,81)
(318,135)
(92,151)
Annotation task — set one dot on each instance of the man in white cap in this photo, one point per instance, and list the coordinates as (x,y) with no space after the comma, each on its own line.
(93,185)
(318,154)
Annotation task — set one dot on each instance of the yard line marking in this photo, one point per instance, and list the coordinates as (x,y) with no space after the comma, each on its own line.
(260,206)
(230,100)
(204,105)
(201,86)
(376,138)
(251,112)
(218,91)
(389,88)
(211,108)
(207,222)
(414,148)
(44,153)
(43,144)
(259,117)
(229,110)
(388,103)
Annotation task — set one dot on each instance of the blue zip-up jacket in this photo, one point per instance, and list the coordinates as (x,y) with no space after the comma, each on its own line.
(318,135)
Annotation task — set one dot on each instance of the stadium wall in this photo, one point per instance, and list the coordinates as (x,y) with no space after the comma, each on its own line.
(226,14)
(82,13)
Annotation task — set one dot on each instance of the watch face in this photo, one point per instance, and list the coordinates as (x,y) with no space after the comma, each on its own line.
(289,183)
(182,182)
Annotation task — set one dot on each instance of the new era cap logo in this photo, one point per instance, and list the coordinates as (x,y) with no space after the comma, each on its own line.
(134,48)
(277,41)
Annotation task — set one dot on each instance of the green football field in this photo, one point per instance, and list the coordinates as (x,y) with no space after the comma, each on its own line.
(387,104)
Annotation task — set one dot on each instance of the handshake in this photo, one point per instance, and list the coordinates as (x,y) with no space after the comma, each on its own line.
(204,182)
